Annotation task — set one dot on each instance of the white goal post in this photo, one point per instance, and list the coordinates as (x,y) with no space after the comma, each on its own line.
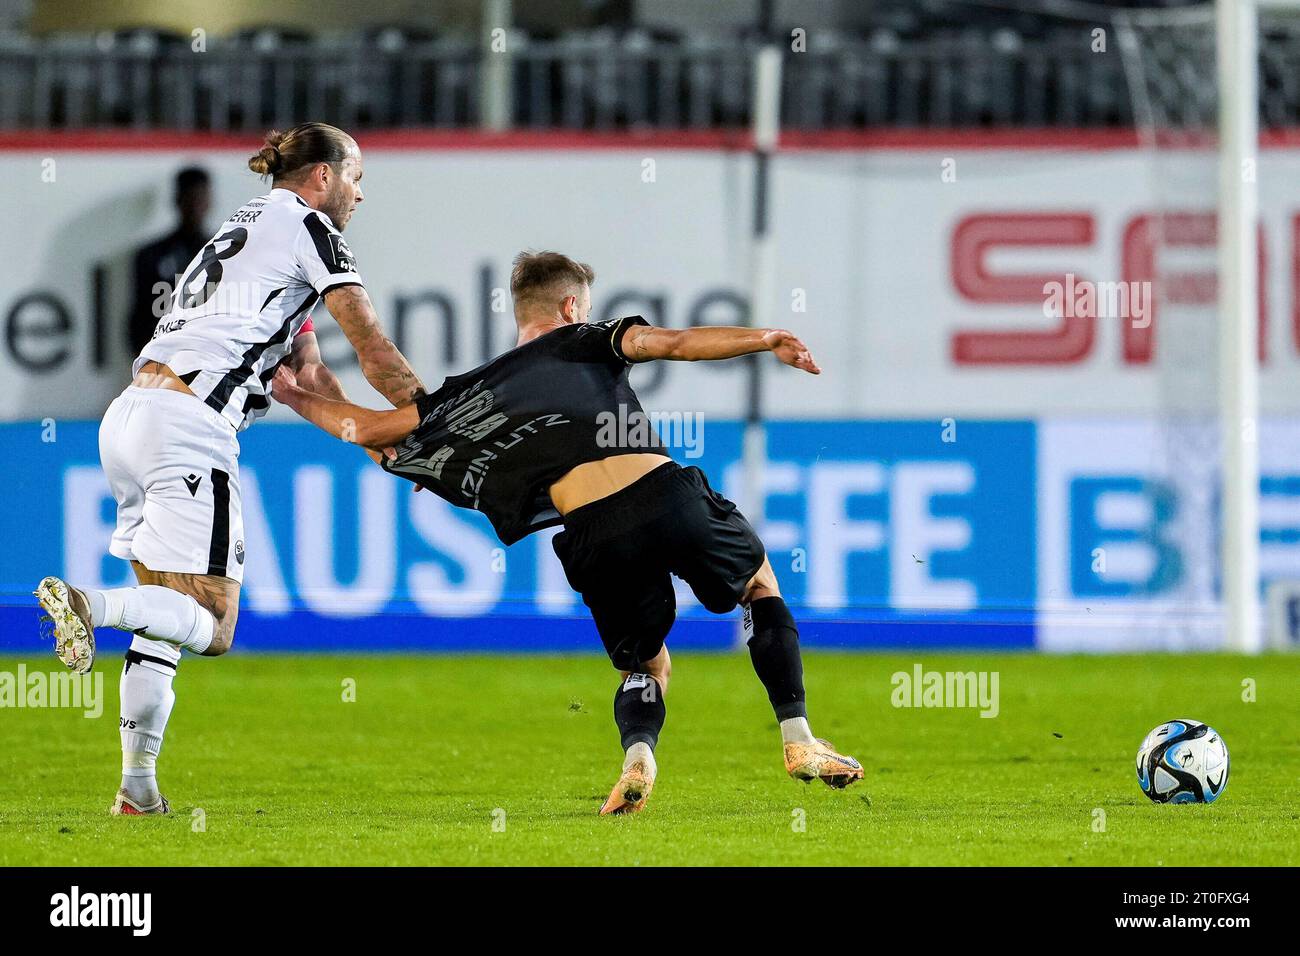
(1235,27)
(1237,49)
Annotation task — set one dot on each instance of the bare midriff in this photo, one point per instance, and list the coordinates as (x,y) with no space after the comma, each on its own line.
(594,480)
(157,375)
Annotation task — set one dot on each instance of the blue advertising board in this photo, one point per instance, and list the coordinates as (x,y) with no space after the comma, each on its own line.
(882,534)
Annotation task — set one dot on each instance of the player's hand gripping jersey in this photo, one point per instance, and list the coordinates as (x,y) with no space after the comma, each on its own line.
(244,297)
(496,438)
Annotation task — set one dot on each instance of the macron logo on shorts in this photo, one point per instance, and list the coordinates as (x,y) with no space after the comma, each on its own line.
(192,482)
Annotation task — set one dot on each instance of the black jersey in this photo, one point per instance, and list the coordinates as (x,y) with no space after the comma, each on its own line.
(495,439)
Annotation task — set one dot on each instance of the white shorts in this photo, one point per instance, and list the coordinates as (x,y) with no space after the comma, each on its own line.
(173,466)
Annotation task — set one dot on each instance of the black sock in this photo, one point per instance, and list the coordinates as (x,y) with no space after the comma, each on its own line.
(639,710)
(774,649)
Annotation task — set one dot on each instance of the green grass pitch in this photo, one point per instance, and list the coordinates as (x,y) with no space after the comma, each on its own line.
(504,760)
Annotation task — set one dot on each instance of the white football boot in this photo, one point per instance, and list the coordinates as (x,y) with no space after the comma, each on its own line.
(74,635)
(124,806)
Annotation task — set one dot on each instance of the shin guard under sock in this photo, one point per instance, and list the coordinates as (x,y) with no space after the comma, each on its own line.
(147,699)
(774,650)
(639,710)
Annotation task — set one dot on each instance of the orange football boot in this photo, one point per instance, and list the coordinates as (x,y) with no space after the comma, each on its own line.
(632,790)
(819,761)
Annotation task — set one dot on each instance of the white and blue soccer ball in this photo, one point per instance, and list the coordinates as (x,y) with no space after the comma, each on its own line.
(1183,761)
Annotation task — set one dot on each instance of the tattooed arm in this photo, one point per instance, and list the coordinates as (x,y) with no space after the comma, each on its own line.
(383,365)
(715,342)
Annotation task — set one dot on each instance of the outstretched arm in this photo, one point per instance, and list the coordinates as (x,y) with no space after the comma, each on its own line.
(714,342)
(383,365)
(342,419)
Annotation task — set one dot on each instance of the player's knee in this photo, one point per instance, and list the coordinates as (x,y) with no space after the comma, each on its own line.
(630,656)
(662,677)
(222,641)
(641,654)
(223,634)
(660,667)
(761,585)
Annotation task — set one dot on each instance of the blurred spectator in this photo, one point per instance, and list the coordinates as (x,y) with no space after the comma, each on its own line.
(164,259)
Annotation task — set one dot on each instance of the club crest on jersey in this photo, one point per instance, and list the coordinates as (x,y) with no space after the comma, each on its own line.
(342,254)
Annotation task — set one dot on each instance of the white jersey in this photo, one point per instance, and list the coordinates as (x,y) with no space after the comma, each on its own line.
(244,297)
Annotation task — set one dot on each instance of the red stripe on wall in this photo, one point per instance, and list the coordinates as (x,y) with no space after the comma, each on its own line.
(387,140)
(433,140)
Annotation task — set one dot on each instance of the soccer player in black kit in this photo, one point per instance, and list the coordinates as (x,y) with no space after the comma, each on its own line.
(520,439)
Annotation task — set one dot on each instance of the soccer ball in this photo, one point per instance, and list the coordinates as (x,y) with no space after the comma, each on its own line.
(1183,761)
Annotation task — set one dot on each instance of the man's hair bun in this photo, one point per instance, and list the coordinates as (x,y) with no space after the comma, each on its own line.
(268,161)
(283,154)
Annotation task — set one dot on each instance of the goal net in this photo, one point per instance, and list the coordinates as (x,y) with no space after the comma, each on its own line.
(1170,61)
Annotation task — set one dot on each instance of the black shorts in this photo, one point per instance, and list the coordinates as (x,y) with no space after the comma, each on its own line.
(619,553)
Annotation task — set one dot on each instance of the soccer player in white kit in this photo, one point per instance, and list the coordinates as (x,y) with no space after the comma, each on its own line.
(169,443)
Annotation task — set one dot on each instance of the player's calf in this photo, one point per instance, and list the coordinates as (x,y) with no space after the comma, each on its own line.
(774,651)
(639,712)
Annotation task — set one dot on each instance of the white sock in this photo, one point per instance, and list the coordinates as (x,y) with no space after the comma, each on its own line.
(147,698)
(156,612)
(138,777)
(795,730)
(640,751)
